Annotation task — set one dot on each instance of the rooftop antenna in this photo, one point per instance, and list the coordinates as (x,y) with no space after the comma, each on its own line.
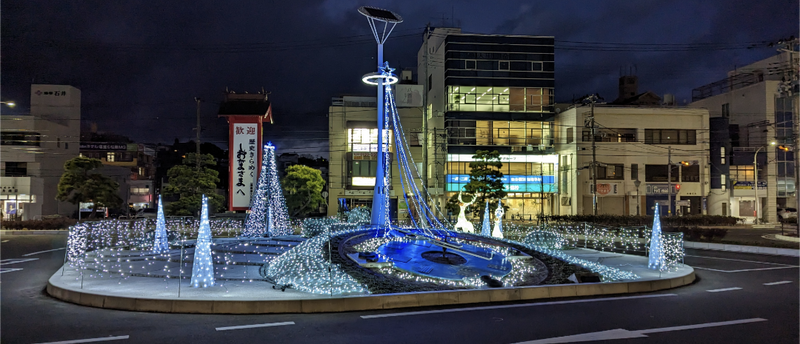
(376,16)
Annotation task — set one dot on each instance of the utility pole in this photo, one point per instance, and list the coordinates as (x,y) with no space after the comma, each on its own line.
(669,181)
(593,171)
(197,141)
(787,90)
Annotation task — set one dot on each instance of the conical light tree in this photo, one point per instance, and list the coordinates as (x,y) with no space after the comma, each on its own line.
(657,260)
(268,213)
(486,228)
(203,263)
(256,224)
(161,242)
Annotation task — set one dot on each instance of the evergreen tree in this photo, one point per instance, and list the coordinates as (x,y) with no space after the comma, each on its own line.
(303,189)
(189,184)
(485,182)
(80,183)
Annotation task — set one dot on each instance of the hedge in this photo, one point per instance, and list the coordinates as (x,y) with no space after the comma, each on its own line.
(672,221)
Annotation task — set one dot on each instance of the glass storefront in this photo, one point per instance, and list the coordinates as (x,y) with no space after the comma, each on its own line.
(499,99)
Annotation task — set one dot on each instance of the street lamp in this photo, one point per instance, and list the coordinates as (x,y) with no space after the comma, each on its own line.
(9,103)
(755,182)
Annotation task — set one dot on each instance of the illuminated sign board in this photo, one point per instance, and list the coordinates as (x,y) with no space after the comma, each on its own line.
(244,145)
(511,183)
(507,179)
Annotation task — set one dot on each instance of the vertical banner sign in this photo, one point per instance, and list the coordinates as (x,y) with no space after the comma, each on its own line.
(245,148)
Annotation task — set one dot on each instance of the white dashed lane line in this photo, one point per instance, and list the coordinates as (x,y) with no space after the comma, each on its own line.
(45,251)
(88,340)
(776,283)
(723,289)
(242,327)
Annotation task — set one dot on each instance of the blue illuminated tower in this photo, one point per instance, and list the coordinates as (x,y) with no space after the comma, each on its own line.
(161,242)
(203,263)
(268,213)
(657,260)
(486,228)
(380,200)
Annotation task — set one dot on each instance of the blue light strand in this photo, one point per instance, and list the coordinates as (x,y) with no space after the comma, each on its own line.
(403,156)
(202,262)
(161,241)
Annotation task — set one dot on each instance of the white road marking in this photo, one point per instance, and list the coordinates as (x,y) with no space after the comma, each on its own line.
(254,326)
(88,340)
(34,253)
(625,334)
(388,315)
(746,270)
(5,241)
(16,260)
(739,260)
(776,283)
(4,270)
(723,289)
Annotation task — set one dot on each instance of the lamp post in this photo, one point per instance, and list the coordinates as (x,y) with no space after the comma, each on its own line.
(384,76)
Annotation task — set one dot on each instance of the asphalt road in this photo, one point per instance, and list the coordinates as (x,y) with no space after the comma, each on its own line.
(764,309)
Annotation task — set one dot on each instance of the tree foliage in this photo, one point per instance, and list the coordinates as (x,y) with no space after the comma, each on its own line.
(189,185)
(81,183)
(485,183)
(302,188)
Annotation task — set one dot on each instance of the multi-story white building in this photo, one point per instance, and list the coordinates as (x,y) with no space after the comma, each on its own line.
(633,147)
(760,103)
(34,149)
(490,92)
(353,136)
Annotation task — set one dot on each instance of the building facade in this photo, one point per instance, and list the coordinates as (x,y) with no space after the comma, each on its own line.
(34,149)
(490,92)
(760,103)
(634,147)
(353,135)
(137,189)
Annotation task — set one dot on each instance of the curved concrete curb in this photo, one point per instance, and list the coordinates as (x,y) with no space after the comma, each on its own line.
(369,302)
(786,238)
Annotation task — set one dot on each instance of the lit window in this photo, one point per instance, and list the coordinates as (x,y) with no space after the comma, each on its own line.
(366,140)
(363,181)
(110,156)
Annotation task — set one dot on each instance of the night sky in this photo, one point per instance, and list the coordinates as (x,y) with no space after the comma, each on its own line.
(139,64)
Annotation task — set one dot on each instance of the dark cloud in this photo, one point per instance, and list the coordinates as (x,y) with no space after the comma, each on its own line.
(140,64)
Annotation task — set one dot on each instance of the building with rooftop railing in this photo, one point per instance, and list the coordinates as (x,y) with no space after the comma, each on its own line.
(760,103)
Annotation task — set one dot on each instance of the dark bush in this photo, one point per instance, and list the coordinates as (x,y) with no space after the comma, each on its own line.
(57,223)
(700,234)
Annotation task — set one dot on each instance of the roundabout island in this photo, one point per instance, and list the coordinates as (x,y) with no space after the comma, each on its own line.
(360,260)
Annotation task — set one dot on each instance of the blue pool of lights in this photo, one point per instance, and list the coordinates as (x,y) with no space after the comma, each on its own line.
(422,257)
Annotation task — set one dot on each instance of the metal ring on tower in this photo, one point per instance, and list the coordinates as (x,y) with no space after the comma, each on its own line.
(372,78)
